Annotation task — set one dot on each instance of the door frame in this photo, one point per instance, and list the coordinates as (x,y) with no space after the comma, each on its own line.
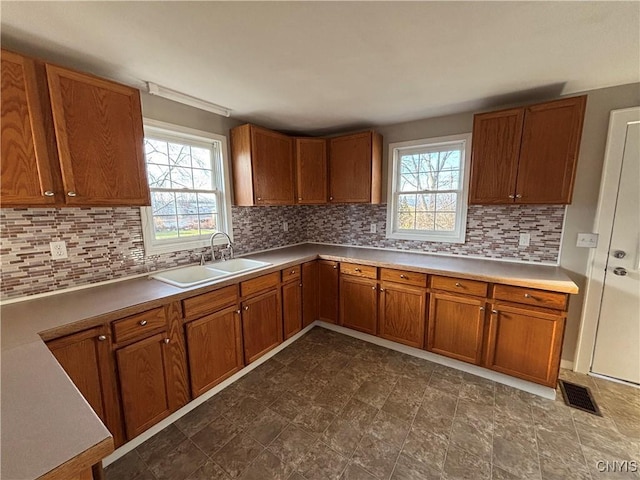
(603,226)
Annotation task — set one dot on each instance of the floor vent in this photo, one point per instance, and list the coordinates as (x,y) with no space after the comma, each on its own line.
(579,397)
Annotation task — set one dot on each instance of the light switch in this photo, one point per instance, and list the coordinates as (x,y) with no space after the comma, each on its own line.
(285,226)
(373,228)
(525,239)
(587,240)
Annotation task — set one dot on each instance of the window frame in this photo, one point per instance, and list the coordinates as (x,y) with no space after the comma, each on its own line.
(458,235)
(221,170)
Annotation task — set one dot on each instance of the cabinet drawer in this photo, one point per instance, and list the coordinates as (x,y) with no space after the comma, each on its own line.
(401,276)
(292,273)
(138,325)
(259,284)
(364,271)
(458,285)
(210,302)
(531,296)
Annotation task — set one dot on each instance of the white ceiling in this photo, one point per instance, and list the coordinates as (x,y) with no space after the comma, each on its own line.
(326,66)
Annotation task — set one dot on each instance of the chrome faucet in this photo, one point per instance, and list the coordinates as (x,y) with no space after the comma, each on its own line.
(225,254)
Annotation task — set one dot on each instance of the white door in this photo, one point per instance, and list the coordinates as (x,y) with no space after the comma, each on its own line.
(617,347)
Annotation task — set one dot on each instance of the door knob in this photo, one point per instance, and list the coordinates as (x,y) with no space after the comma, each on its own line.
(621,271)
(619,254)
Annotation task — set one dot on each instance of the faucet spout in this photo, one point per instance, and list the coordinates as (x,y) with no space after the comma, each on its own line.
(229,248)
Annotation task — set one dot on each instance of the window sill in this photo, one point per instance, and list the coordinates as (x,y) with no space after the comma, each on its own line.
(426,237)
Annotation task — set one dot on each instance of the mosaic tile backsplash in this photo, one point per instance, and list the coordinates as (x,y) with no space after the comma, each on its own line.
(106,243)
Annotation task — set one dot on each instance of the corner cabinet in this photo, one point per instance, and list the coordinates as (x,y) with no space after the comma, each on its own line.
(526,155)
(68,138)
(355,168)
(26,177)
(263,170)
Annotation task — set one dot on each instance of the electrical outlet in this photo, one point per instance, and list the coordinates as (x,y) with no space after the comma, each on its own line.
(58,250)
(525,239)
(373,228)
(285,226)
(587,240)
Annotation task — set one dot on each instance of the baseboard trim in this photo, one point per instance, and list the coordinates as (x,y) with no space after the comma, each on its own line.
(534,388)
(567,364)
(143,437)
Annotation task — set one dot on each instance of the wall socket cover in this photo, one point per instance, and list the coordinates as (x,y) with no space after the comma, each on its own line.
(587,240)
(373,228)
(58,250)
(525,239)
(285,226)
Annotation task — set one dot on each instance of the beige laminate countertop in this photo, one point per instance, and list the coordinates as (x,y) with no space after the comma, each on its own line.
(45,420)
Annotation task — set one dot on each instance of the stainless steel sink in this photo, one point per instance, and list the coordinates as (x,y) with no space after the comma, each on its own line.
(200,274)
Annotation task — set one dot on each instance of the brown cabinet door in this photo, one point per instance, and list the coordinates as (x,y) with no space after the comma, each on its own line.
(310,290)
(328,294)
(261,324)
(25,176)
(358,303)
(549,152)
(525,343)
(353,170)
(494,156)
(456,326)
(311,170)
(87,358)
(144,378)
(272,162)
(214,344)
(292,308)
(402,314)
(98,125)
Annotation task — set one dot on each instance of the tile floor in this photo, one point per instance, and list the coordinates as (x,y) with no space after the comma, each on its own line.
(333,407)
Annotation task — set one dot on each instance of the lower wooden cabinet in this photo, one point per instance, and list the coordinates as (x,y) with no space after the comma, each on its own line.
(402,314)
(526,342)
(328,285)
(261,324)
(456,326)
(292,308)
(214,346)
(145,380)
(310,304)
(359,303)
(87,358)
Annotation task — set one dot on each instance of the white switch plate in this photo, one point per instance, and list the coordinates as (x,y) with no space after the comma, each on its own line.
(587,240)
(373,228)
(58,250)
(525,239)
(285,226)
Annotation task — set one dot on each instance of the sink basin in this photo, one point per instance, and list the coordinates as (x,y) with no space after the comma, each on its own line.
(198,274)
(189,276)
(237,265)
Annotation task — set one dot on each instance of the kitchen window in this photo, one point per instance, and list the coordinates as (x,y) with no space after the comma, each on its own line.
(189,184)
(428,187)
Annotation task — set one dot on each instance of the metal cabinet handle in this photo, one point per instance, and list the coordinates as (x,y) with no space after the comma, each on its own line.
(374,288)
(166,341)
(494,311)
(382,289)
(335,267)
(518,196)
(300,285)
(246,308)
(512,196)
(458,284)
(299,199)
(49,193)
(259,198)
(142,323)
(403,276)
(527,295)
(357,270)
(482,309)
(102,338)
(71,194)
(238,311)
(293,272)
(330,198)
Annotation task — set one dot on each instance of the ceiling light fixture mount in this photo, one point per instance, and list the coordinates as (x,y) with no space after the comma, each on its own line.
(155,89)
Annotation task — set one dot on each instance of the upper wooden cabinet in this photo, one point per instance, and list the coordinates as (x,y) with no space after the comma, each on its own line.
(98,125)
(355,168)
(69,138)
(527,155)
(311,170)
(25,178)
(263,172)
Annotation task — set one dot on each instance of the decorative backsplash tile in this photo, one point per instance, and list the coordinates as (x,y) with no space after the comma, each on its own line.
(492,231)
(106,243)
